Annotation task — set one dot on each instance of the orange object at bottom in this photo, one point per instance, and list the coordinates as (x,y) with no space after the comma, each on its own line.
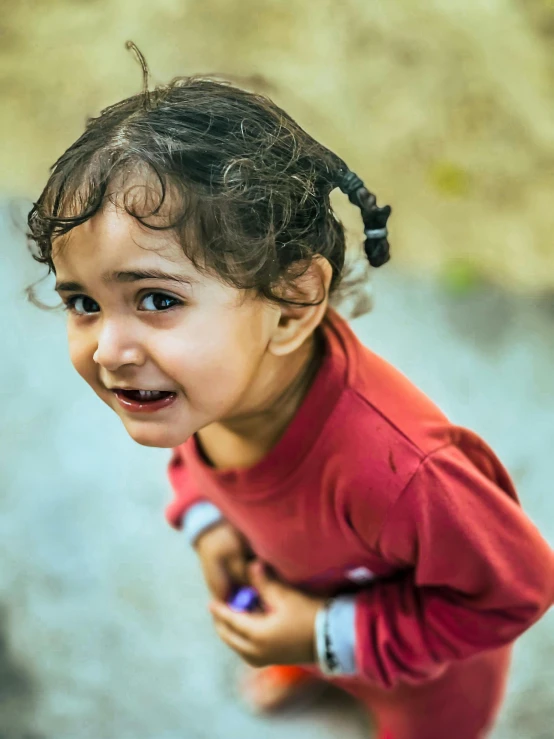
(288,674)
(271,688)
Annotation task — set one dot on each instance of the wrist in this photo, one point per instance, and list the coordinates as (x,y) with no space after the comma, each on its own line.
(318,606)
(205,536)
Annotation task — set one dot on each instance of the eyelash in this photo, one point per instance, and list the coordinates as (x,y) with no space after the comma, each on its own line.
(69,303)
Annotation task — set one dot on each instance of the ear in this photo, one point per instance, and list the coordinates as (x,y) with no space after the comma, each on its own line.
(296,323)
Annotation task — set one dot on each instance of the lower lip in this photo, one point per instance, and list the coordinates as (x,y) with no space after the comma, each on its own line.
(136,406)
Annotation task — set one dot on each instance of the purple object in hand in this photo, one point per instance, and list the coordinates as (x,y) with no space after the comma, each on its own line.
(245,600)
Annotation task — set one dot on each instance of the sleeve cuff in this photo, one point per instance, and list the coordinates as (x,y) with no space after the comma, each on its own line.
(199,518)
(336,629)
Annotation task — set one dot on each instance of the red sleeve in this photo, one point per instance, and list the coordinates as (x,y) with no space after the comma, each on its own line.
(185,494)
(478,574)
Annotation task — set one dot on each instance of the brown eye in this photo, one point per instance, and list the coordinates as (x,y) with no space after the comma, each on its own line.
(82,305)
(158,302)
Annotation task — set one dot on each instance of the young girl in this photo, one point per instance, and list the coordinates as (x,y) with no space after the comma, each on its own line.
(194,246)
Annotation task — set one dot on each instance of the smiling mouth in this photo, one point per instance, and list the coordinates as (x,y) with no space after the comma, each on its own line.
(144,401)
(145,396)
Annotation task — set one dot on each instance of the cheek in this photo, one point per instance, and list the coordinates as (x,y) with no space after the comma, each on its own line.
(80,353)
(213,365)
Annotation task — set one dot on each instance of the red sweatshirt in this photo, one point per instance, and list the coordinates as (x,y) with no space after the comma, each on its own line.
(371,481)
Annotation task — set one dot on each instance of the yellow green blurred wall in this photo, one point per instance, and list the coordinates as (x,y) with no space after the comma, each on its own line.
(444,107)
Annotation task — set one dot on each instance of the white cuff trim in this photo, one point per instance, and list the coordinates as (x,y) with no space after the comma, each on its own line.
(335,631)
(199,518)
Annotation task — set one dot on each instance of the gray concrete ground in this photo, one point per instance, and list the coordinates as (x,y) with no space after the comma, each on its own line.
(104,631)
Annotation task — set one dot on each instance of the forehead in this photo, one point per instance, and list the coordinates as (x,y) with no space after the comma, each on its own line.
(112,238)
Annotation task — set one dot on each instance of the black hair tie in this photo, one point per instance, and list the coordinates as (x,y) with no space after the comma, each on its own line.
(376,245)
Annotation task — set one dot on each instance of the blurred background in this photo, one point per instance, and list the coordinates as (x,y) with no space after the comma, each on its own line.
(446,109)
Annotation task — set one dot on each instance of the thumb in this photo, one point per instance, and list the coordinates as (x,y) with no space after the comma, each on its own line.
(267,586)
(237,569)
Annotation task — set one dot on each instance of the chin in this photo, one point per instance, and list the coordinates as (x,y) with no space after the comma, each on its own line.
(155,435)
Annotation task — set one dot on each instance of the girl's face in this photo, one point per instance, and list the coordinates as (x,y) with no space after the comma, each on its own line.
(141,318)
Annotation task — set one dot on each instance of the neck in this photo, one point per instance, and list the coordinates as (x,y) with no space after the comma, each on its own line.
(246,438)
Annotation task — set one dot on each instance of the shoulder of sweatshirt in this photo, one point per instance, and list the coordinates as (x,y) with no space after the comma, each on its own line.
(380,433)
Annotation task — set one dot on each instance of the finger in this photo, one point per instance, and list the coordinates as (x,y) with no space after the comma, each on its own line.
(269,589)
(243,646)
(218,582)
(244,624)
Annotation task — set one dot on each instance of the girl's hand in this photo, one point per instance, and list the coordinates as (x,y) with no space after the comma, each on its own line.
(224,555)
(284,634)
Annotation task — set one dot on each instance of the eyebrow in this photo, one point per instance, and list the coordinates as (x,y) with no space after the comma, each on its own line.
(129,276)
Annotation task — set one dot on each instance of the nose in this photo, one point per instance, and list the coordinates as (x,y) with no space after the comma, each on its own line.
(117,346)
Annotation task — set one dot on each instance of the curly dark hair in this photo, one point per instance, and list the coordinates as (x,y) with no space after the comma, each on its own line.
(243,186)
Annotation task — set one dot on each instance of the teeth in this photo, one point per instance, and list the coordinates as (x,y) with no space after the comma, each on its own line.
(149,394)
(145,396)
